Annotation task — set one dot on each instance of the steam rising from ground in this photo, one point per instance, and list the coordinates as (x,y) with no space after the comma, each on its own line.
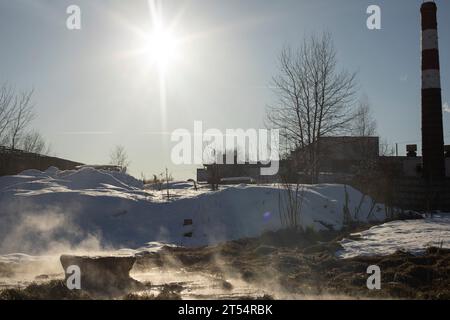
(47,231)
(36,238)
(218,281)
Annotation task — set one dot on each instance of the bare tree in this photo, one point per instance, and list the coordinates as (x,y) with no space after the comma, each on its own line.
(16,114)
(23,115)
(34,142)
(315,99)
(386,149)
(364,124)
(119,157)
(6,112)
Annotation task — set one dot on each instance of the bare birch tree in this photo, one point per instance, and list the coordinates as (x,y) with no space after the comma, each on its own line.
(315,99)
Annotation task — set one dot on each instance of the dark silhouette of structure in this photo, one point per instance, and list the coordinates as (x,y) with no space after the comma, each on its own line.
(13,161)
(432,127)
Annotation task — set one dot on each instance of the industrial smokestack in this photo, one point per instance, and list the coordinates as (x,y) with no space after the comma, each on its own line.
(432,128)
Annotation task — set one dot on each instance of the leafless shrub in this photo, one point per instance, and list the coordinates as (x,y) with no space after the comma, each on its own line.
(290,201)
(119,157)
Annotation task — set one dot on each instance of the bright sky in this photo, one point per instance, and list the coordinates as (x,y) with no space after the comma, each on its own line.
(99,86)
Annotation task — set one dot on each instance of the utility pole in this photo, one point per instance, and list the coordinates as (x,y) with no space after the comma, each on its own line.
(167,184)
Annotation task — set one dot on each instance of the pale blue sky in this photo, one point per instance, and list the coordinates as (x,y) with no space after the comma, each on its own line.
(84,81)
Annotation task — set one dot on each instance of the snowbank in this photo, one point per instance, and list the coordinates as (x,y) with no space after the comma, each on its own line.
(93,209)
(413,236)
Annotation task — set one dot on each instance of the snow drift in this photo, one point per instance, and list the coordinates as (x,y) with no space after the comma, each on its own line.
(413,236)
(94,209)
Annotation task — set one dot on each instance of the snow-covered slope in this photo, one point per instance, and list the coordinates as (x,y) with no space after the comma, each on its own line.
(59,210)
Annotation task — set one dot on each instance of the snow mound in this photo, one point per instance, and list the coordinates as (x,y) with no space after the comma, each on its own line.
(413,236)
(95,209)
(89,178)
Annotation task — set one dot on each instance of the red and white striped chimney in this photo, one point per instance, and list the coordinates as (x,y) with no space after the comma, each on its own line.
(432,128)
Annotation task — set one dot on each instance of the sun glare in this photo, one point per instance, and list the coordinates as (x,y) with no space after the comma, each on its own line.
(162,48)
(157,47)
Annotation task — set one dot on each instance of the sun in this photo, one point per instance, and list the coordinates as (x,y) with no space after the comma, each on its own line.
(162,48)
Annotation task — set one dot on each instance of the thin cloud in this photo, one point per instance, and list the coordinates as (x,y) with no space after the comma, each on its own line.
(87,132)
